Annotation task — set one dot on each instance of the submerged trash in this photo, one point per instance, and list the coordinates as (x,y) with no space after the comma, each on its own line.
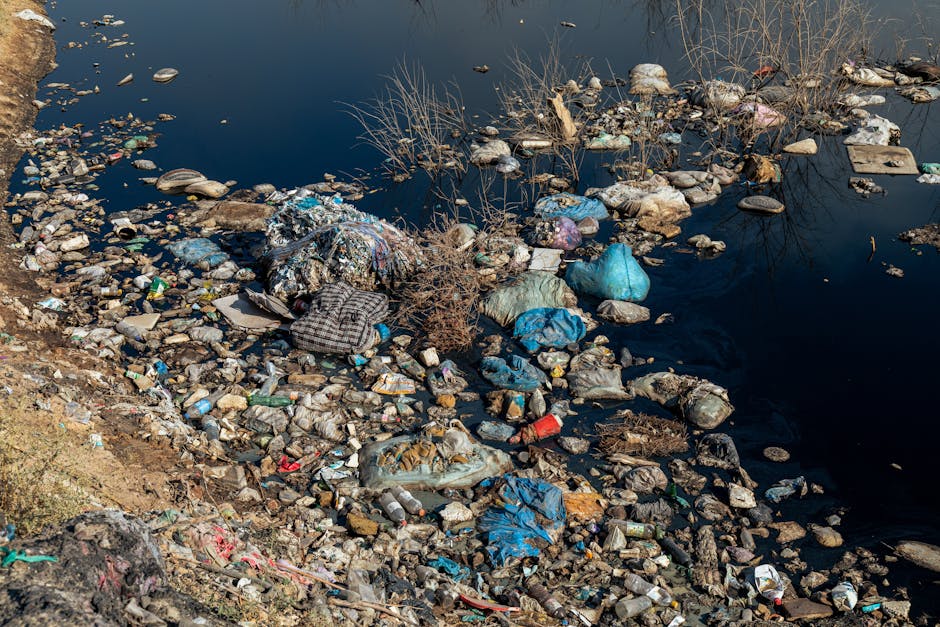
(615,275)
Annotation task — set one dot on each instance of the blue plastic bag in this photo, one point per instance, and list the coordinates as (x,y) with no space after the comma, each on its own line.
(510,528)
(570,206)
(615,275)
(516,374)
(198,251)
(548,327)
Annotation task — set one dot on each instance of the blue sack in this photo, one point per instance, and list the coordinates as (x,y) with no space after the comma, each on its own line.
(549,327)
(615,275)
(516,374)
(199,252)
(510,528)
(570,206)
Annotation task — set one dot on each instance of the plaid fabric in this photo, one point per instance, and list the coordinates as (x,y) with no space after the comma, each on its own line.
(340,320)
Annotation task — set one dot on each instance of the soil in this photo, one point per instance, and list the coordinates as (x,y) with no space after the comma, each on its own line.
(127,472)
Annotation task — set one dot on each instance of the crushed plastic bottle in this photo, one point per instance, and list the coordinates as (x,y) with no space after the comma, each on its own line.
(844,596)
(638,585)
(769,583)
(628,608)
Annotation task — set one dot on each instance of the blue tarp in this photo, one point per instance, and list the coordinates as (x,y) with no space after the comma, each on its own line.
(549,327)
(510,528)
(615,275)
(570,206)
(515,374)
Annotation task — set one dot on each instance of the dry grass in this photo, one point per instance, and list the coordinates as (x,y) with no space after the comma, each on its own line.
(37,487)
(803,41)
(413,123)
(643,434)
(439,302)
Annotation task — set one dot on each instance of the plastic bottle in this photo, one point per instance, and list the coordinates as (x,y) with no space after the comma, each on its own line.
(628,608)
(157,287)
(633,529)
(769,583)
(408,501)
(678,555)
(210,426)
(551,605)
(109,290)
(204,405)
(392,508)
(635,583)
(273,401)
(129,331)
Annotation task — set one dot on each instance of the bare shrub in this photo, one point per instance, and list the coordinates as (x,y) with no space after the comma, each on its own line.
(413,123)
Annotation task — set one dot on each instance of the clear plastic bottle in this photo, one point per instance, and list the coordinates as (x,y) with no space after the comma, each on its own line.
(628,608)
(392,508)
(638,585)
(633,529)
(541,594)
(408,501)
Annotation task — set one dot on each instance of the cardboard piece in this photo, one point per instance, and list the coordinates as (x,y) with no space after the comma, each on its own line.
(875,159)
(241,312)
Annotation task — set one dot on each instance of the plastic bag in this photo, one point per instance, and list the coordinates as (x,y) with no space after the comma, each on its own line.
(199,252)
(570,206)
(875,131)
(559,233)
(530,290)
(510,529)
(515,374)
(594,375)
(615,275)
(548,327)
(654,198)
(649,78)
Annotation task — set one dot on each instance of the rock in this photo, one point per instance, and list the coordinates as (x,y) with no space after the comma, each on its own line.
(240,216)
(740,497)
(920,553)
(805,609)
(623,312)
(803,147)
(176,180)
(761,204)
(776,454)
(788,531)
(232,402)
(827,536)
(652,224)
(361,525)
(897,609)
(165,75)
(209,189)
(575,446)
(489,153)
(704,242)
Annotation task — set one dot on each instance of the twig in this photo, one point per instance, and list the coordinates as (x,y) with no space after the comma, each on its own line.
(375,606)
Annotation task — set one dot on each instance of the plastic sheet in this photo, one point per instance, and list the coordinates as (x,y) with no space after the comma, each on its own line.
(570,206)
(516,373)
(615,275)
(559,233)
(530,290)
(511,529)
(548,327)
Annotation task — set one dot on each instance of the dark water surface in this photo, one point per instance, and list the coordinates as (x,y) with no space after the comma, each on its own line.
(822,351)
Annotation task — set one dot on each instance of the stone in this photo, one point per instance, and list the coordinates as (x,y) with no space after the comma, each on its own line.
(740,497)
(429,358)
(805,609)
(788,531)
(776,454)
(803,147)
(240,216)
(361,525)
(761,204)
(230,402)
(897,609)
(489,153)
(176,180)
(920,553)
(209,189)
(651,224)
(623,312)
(827,536)
(165,75)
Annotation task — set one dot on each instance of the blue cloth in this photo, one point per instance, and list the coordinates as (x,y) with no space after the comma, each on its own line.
(510,528)
(549,327)
(515,374)
(570,206)
(615,275)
